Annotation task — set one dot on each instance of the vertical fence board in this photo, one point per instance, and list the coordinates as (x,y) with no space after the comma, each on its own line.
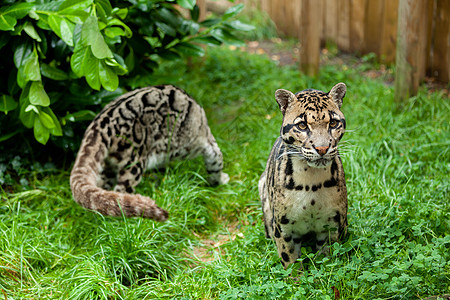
(372,31)
(331,16)
(265,5)
(297,9)
(441,45)
(410,53)
(310,30)
(424,35)
(277,12)
(357,16)
(284,16)
(388,38)
(343,38)
(427,35)
(269,7)
(273,12)
(294,23)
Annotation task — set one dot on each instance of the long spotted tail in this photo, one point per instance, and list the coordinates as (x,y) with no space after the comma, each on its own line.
(83,182)
(111,203)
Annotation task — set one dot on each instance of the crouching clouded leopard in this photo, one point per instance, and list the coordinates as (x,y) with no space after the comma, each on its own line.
(302,190)
(143,129)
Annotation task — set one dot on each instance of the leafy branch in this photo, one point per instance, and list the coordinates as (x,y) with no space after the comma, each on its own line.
(50,49)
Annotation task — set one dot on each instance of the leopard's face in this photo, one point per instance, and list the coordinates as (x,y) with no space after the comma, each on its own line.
(313,123)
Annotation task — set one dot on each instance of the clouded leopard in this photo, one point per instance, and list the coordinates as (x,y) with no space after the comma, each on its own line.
(143,129)
(302,190)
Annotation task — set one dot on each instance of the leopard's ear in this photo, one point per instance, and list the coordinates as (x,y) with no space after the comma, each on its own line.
(283,98)
(337,93)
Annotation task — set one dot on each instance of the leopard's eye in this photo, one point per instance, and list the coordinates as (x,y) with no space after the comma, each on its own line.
(302,126)
(334,123)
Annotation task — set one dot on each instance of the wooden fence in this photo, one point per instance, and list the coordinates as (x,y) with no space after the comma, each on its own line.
(414,34)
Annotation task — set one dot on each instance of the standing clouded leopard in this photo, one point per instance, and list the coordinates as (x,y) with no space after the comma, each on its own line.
(143,129)
(302,190)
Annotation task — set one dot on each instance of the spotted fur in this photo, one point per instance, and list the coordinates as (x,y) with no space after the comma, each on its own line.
(302,190)
(143,129)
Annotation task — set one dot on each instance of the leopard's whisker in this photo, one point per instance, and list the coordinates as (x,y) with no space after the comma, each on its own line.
(299,154)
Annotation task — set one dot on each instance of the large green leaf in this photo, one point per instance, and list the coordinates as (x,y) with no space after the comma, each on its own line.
(90,35)
(210,22)
(7,103)
(48,6)
(70,7)
(113,32)
(26,115)
(189,4)
(62,28)
(120,12)
(108,77)
(130,60)
(103,8)
(207,40)
(53,72)
(46,120)
(168,17)
(232,11)
(37,95)
(169,55)
(188,49)
(41,133)
(57,130)
(195,13)
(7,22)
(117,64)
(31,31)
(27,118)
(238,25)
(100,49)
(90,70)
(79,59)
(31,68)
(66,29)
(89,30)
(226,37)
(189,27)
(116,22)
(22,53)
(167,29)
(18,10)
(153,41)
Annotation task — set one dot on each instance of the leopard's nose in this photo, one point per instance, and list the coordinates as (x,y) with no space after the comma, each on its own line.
(321,150)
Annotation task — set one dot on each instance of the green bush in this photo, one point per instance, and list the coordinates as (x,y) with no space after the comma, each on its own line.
(49,50)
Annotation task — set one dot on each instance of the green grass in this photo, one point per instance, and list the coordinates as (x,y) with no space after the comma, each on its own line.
(213,247)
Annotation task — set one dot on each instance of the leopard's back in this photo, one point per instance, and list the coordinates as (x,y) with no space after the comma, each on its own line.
(143,129)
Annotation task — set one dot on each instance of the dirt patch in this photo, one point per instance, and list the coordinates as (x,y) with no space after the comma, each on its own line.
(205,252)
(209,245)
